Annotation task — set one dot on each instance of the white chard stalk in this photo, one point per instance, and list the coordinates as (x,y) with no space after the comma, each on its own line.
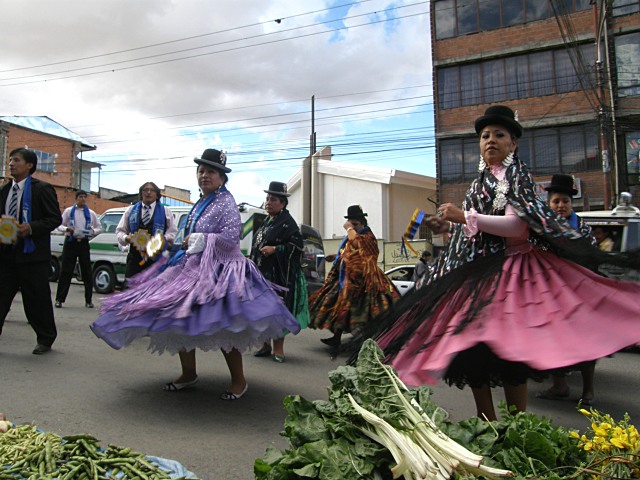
(422,451)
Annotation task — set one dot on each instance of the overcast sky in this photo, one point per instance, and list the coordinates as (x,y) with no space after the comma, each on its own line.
(152,83)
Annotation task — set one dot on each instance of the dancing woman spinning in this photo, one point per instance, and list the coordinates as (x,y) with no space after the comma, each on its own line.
(509,298)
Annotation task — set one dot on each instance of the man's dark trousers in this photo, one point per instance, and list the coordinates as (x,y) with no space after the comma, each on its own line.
(32,279)
(75,249)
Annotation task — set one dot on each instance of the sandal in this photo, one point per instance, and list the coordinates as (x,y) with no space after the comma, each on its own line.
(174,387)
(551,395)
(230,396)
(263,352)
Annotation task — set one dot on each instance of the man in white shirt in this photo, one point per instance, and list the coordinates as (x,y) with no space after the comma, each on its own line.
(148,214)
(79,224)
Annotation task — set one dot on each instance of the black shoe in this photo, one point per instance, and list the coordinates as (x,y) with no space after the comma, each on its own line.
(40,349)
(332,341)
(88,305)
(58,304)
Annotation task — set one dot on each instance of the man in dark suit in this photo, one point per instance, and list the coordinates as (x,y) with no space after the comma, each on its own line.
(24,265)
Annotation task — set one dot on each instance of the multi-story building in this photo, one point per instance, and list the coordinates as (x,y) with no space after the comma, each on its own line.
(571,70)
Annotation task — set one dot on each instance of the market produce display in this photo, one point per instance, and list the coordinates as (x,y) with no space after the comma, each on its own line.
(28,453)
(373,427)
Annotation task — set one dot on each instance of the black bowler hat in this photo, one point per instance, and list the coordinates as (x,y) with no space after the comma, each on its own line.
(355,211)
(278,188)
(499,115)
(214,158)
(561,183)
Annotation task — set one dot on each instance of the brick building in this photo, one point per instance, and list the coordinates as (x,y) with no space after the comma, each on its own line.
(59,152)
(570,68)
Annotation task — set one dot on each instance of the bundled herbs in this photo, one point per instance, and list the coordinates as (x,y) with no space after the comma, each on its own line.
(371,427)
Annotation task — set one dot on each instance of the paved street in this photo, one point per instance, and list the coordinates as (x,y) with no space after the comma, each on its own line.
(84,386)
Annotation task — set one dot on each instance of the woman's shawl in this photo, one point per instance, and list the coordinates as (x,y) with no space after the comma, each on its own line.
(487,195)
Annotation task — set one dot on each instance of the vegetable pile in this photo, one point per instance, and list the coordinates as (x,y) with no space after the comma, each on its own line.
(372,427)
(27,453)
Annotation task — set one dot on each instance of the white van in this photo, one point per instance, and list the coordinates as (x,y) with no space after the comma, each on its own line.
(109,261)
(623,226)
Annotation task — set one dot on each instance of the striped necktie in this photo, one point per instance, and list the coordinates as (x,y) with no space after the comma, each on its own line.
(13,204)
(146,214)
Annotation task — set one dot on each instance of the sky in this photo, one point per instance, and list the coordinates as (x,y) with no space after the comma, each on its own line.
(153,83)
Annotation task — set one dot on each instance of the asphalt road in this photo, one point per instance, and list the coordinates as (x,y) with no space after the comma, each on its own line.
(84,386)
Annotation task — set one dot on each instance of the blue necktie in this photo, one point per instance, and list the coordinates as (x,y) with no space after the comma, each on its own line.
(146,215)
(13,204)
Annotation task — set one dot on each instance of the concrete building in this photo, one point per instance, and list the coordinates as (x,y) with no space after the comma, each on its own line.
(322,190)
(568,67)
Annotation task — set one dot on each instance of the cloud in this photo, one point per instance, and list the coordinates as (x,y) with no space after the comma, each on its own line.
(250,84)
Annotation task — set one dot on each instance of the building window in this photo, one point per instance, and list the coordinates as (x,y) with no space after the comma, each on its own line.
(467,12)
(517,77)
(545,159)
(571,149)
(512,13)
(536,10)
(46,161)
(632,141)
(487,13)
(448,88)
(462,17)
(471,84)
(445,19)
(541,74)
(628,66)
(451,161)
(625,7)
(493,77)
(530,75)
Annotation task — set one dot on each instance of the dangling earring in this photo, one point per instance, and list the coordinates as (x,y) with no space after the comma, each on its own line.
(481,165)
(508,160)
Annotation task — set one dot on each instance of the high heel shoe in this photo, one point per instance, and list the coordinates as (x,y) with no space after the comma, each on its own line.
(331,341)
(263,352)
(278,358)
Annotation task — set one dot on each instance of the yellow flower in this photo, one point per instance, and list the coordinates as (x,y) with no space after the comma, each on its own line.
(620,442)
(586,413)
(600,432)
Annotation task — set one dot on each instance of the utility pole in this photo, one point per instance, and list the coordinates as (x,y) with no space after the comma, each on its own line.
(605,119)
(312,138)
(307,173)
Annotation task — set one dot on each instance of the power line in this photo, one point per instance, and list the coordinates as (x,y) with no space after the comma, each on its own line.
(231,49)
(183,39)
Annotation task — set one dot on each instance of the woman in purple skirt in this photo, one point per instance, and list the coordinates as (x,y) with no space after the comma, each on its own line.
(207,296)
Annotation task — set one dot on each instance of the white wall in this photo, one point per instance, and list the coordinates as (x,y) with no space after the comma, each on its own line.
(339,193)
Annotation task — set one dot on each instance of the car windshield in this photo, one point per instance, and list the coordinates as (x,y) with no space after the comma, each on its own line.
(109,222)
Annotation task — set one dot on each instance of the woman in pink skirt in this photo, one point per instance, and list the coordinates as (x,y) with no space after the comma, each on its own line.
(515,294)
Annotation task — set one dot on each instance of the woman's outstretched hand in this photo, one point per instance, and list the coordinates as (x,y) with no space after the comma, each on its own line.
(446,214)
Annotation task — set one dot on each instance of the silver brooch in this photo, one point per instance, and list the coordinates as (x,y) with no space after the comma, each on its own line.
(501,195)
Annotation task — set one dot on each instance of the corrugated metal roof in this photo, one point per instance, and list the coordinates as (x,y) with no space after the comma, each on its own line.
(46,125)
